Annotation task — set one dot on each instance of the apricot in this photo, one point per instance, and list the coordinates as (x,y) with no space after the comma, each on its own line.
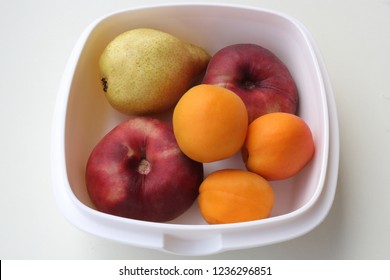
(234,195)
(210,123)
(278,145)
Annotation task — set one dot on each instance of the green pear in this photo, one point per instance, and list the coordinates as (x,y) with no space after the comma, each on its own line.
(145,71)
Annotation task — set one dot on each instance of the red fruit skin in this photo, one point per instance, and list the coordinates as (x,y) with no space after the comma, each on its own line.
(259,77)
(137,171)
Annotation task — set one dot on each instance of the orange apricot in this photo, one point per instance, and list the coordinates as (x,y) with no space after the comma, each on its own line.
(234,195)
(278,145)
(210,123)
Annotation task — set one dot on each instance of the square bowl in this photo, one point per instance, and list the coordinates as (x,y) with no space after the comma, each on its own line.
(82,117)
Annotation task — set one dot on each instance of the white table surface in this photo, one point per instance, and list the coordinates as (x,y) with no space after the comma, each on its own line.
(36,40)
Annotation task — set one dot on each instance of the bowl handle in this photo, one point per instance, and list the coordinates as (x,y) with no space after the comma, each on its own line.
(193,245)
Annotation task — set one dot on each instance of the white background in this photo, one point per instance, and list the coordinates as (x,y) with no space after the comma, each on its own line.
(36,40)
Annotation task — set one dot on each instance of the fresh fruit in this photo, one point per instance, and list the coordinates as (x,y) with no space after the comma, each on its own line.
(233,195)
(210,123)
(138,171)
(278,145)
(257,75)
(145,71)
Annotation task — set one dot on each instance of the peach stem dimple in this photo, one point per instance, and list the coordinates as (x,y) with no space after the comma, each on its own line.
(144,167)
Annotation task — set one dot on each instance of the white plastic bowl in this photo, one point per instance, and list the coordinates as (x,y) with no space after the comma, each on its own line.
(82,116)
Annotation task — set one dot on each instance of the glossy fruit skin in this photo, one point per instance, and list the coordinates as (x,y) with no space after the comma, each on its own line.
(278,146)
(137,171)
(257,75)
(233,195)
